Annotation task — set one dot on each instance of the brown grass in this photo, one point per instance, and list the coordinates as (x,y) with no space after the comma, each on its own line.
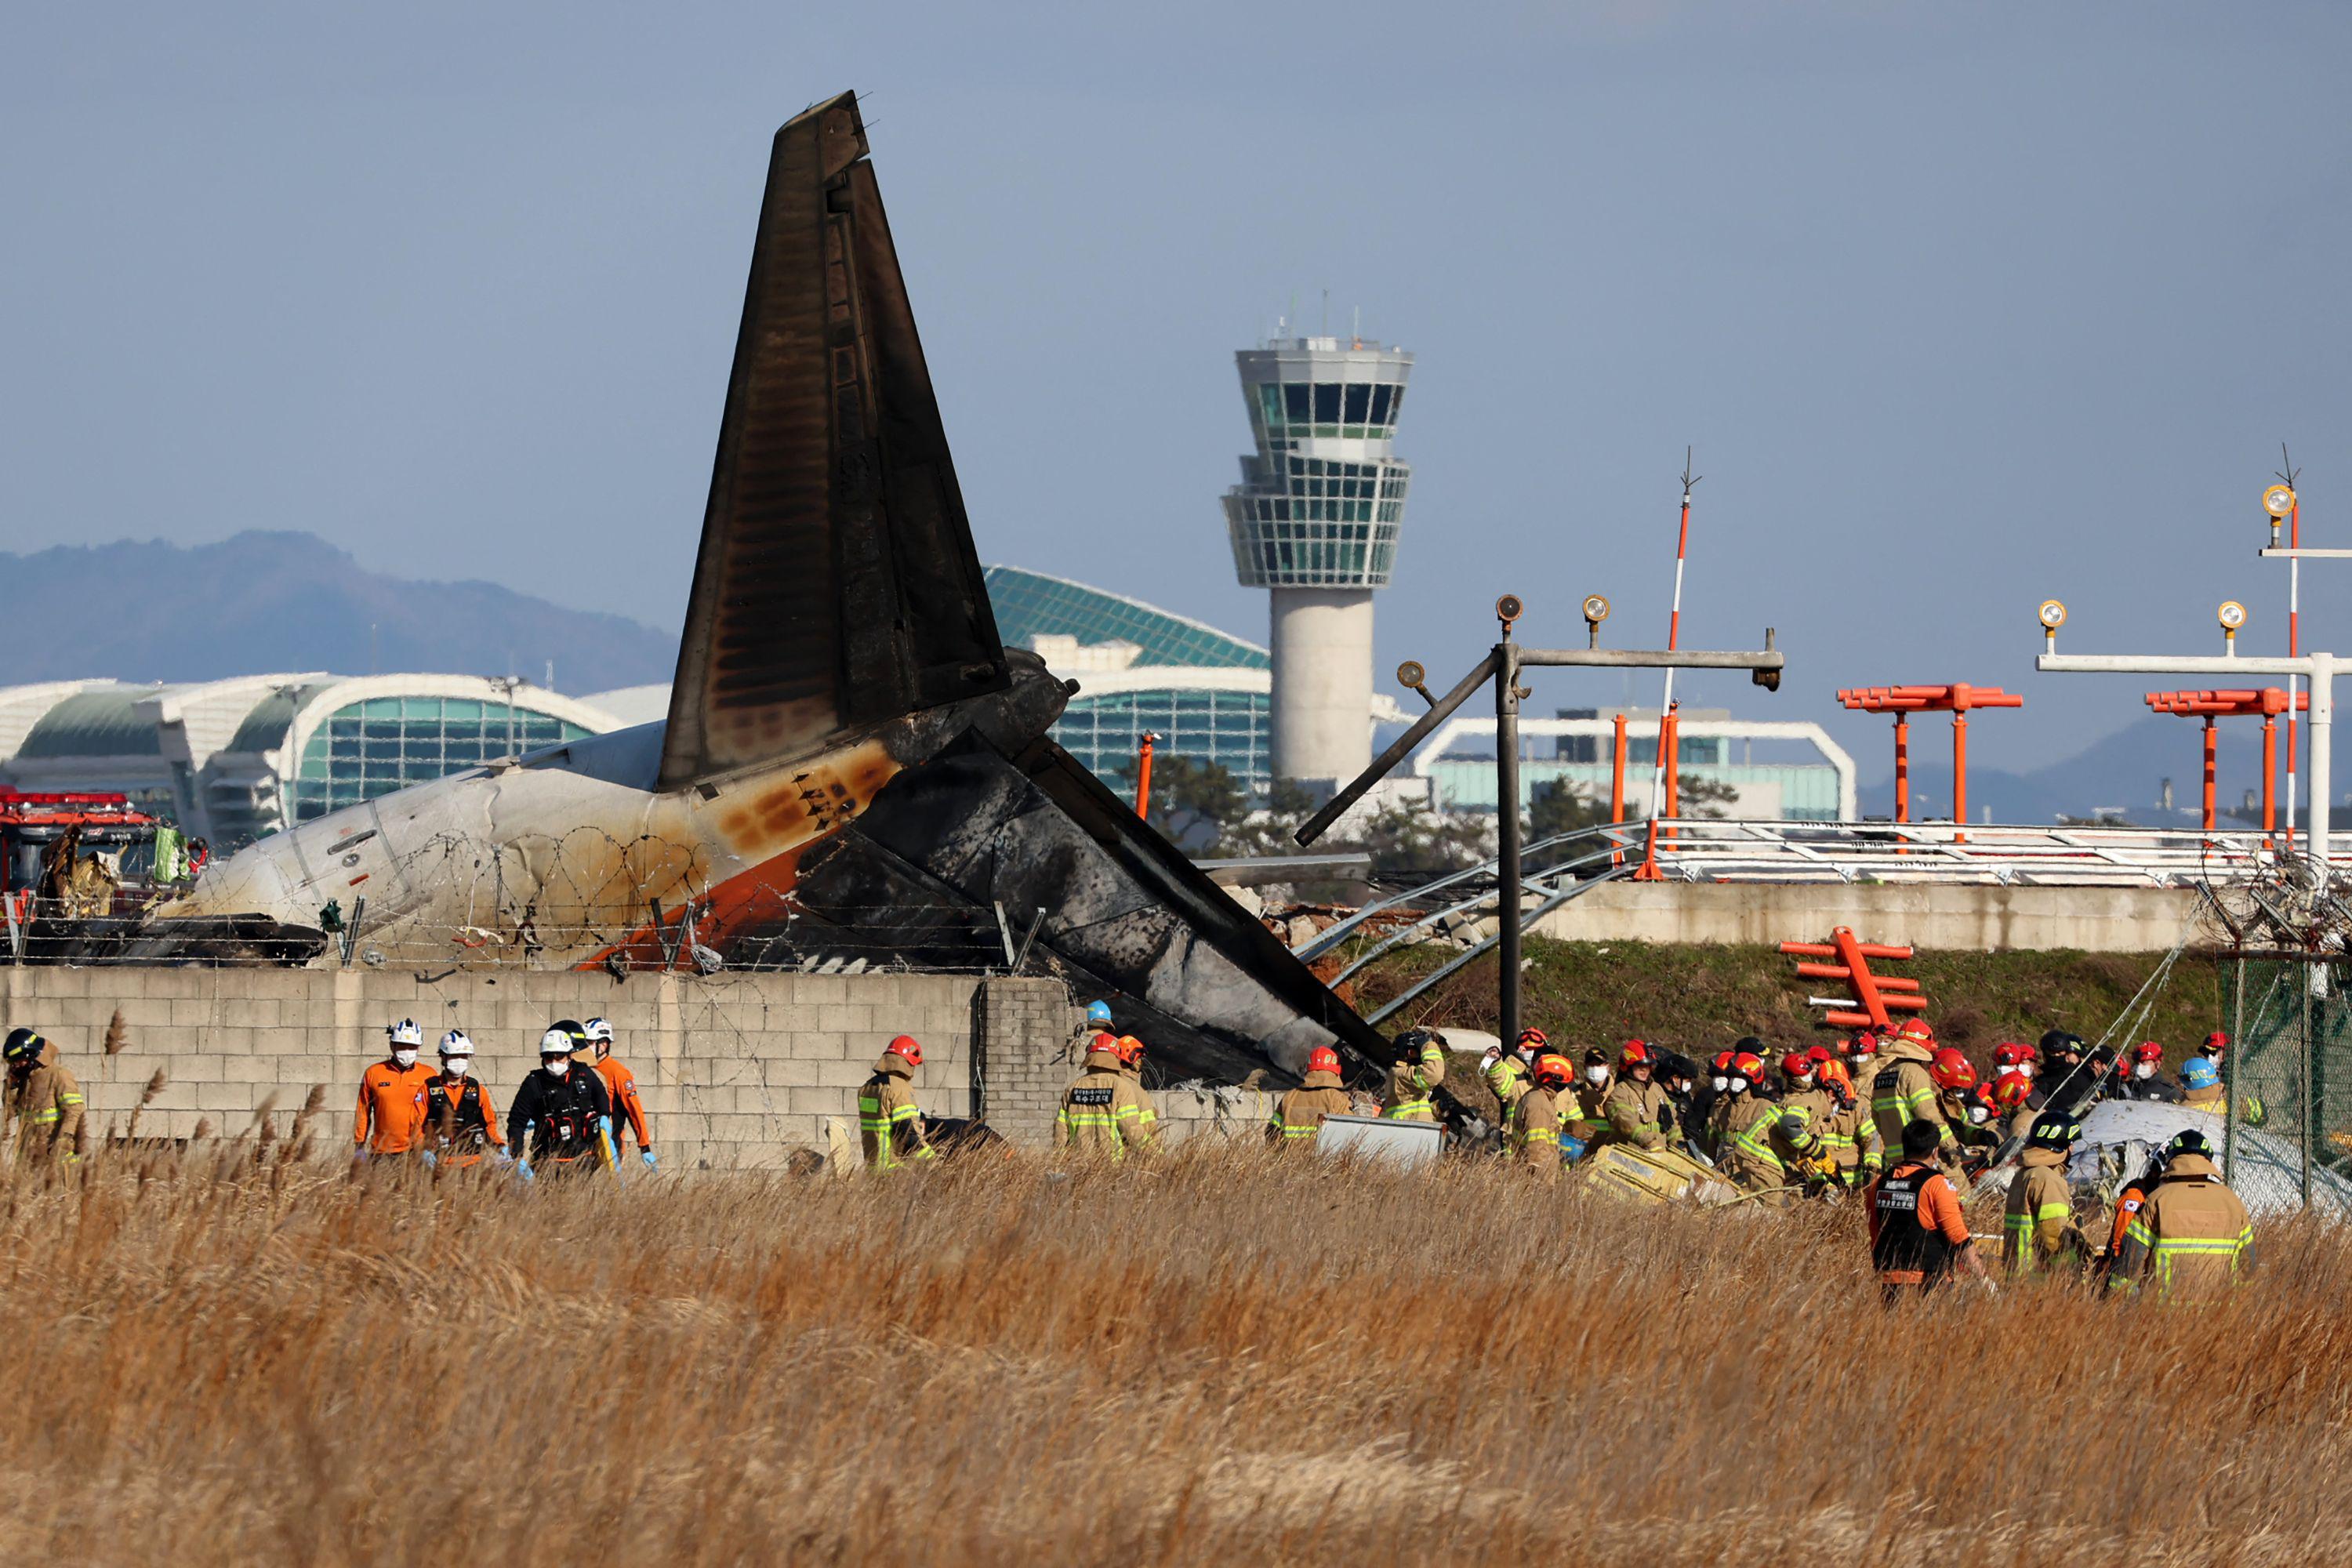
(233,1360)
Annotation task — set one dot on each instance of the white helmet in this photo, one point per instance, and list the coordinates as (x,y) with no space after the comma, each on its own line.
(406,1032)
(597,1029)
(457,1043)
(556,1043)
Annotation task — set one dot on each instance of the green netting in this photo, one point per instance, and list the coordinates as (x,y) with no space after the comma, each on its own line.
(2289,1071)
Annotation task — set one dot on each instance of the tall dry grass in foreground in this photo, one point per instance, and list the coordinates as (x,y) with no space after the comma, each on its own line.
(1221,1359)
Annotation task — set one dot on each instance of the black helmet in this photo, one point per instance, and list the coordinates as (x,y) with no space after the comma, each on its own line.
(2190,1142)
(23,1047)
(1409,1044)
(2059,1043)
(573,1028)
(2052,1131)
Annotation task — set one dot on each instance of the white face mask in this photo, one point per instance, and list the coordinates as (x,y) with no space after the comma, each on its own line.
(1740,1085)
(2145,1069)
(1978,1114)
(456,1066)
(555,1065)
(405,1055)
(1596,1074)
(2025,1070)
(1802,1080)
(1720,1083)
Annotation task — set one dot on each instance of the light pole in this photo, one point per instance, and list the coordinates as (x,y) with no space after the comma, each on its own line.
(1502,665)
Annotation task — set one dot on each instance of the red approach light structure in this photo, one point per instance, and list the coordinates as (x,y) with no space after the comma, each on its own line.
(1905,700)
(1876,997)
(2267,704)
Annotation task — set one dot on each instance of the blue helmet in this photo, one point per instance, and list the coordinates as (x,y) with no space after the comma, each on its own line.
(1098,1013)
(2201,1072)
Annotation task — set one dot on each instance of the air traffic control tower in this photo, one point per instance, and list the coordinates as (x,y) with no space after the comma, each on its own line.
(1316,518)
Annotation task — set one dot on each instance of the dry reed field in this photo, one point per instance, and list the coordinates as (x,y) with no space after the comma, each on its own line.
(1224,1358)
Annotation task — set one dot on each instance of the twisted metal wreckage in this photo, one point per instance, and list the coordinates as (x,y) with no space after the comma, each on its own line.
(852,756)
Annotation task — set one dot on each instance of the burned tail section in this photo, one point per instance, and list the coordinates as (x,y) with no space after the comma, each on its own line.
(836,585)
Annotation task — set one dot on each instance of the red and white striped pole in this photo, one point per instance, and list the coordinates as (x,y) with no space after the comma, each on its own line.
(1674,641)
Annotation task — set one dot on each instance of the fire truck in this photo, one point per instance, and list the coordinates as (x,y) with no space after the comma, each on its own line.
(31,825)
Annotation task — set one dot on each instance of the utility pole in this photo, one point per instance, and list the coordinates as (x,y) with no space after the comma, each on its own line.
(1503,664)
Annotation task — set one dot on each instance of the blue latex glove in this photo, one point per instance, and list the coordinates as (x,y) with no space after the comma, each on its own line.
(647,1156)
(431,1160)
(358,1154)
(522,1169)
(605,1126)
(501,1157)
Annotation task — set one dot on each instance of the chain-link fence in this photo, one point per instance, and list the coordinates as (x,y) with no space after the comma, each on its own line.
(2288,1071)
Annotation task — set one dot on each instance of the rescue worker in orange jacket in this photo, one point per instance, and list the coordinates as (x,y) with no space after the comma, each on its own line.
(44,1100)
(889,1123)
(1636,1110)
(2192,1238)
(391,1118)
(461,1126)
(1917,1233)
(621,1089)
(1417,1068)
(1534,1137)
(1104,1111)
(2038,1226)
(1299,1113)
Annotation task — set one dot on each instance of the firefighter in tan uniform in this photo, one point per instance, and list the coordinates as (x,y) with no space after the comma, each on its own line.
(2038,1227)
(1507,1071)
(890,1129)
(1105,1113)
(1298,1114)
(1419,1069)
(1636,1110)
(44,1100)
(1536,1119)
(1772,1145)
(1902,1090)
(2193,1237)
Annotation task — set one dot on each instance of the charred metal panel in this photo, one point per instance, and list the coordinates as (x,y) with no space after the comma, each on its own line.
(1128,917)
(836,583)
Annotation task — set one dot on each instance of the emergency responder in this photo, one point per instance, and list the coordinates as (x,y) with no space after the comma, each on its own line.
(2009,1093)
(1903,1091)
(1850,1136)
(1830,1071)
(1104,1111)
(561,1120)
(1678,1074)
(2039,1223)
(1802,1089)
(2200,1075)
(890,1126)
(2147,1081)
(1581,1117)
(1770,1143)
(1862,1062)
(1507,1071)
(1417,1068)
(2128,1203)
(621,1089)
(2191,1237)
(44,1101)
(392,1098)
(1298,1114)
(1714,1107)
(1536,1119)
(460,1126)
(2064,1081)
(2009,1057)
(1636,1110)
(1917,1235)
(1955,1077)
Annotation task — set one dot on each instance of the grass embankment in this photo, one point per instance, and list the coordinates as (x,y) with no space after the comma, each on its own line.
(1698,1000)
(1223,1360)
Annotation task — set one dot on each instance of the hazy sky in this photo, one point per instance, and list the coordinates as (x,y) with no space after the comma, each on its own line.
(1962,305)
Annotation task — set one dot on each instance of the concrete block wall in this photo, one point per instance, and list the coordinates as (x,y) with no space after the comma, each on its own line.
(1969,919)
(737,1071)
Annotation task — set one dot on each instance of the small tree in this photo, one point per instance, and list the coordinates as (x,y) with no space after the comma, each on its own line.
(1702,798)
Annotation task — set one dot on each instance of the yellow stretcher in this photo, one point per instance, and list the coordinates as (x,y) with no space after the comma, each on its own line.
(1654,1177)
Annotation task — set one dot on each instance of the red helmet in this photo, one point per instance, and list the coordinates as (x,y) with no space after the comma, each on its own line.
(1982,1096)
(1129,1049)
(1554,1071)
(2009,1053)
(1104,1043)
(1866,1043)
(906,1045)
(1917,1030)
(1951,1070)
(1749,1066)
(1534,1039)
(1834,1071)
(2147,1051)
(2216,1042)
(1723,1061)
(2009,1089)
(1322,1058)
(1820,1056)
(1796,1065)
(1635,1054)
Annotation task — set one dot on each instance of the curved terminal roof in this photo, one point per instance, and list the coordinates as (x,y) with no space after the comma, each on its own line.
(1030,604)
(100,722)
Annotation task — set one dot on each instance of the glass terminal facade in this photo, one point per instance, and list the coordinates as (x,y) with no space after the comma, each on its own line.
(373,747)
(1322,499)
(1231,729)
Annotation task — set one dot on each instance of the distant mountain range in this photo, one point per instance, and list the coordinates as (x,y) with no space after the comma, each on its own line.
(259,601)
(2122,774)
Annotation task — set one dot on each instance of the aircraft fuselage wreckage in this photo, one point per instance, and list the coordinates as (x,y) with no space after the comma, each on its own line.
(853,760)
